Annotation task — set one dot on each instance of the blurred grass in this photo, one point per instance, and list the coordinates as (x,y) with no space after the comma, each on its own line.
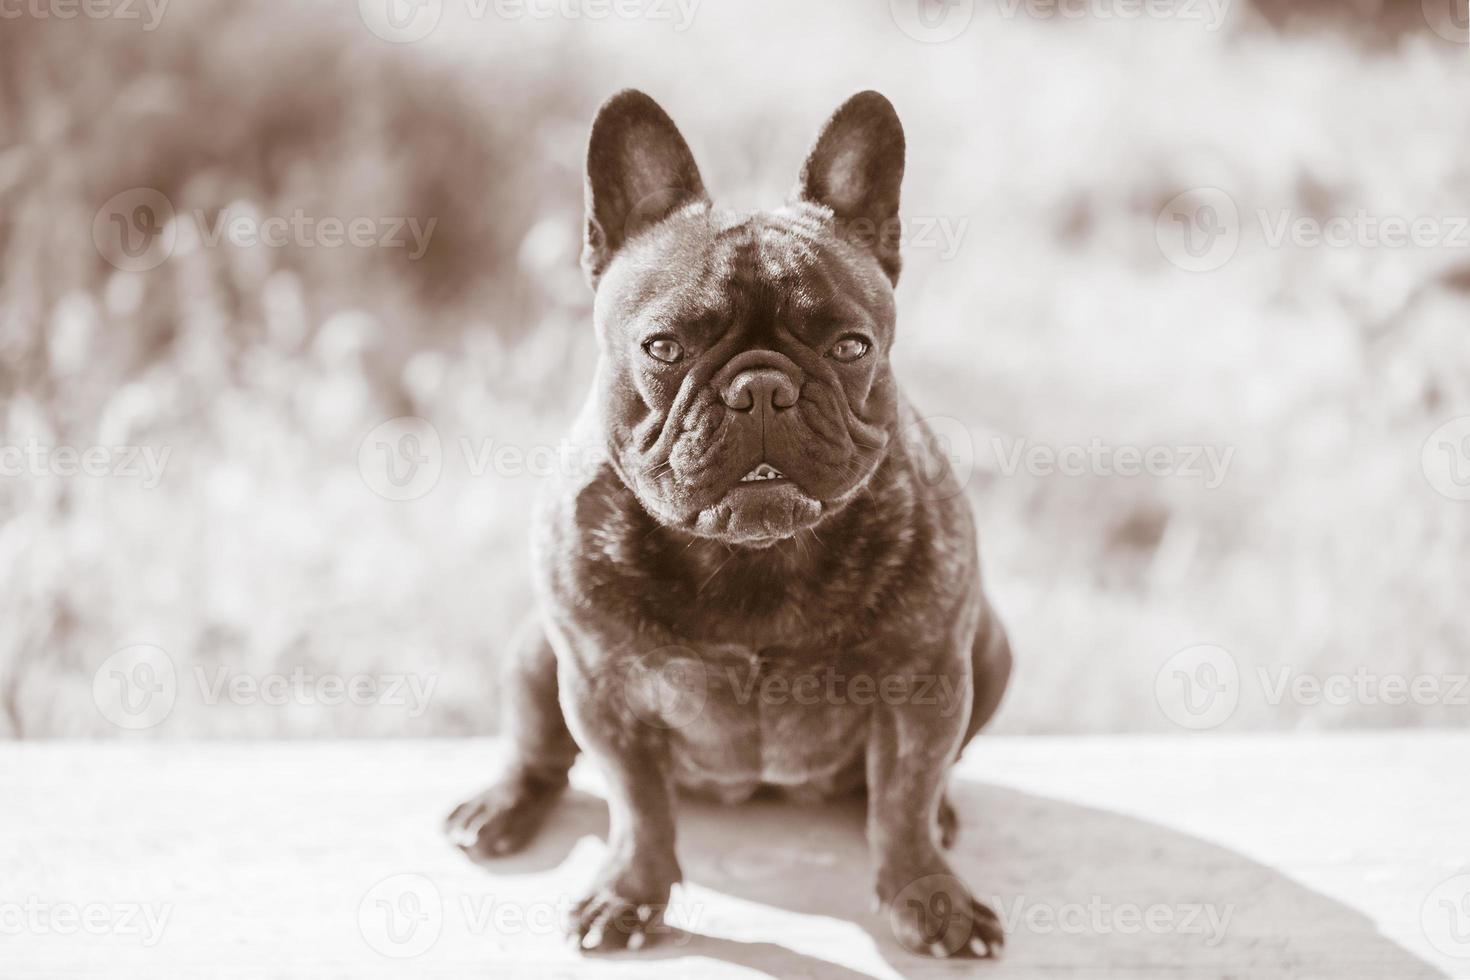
(1057,320)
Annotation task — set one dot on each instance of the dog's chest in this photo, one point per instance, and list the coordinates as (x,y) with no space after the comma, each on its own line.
(780,717)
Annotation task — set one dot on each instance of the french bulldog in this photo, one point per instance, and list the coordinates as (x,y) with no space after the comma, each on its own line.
(767,577)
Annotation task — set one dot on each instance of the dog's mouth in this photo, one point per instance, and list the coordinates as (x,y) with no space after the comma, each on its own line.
(762,473)
(761,508)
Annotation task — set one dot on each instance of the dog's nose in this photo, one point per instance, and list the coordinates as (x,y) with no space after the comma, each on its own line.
(759,388)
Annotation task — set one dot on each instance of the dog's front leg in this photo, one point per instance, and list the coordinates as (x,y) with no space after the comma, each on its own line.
(631,891)
(912,744)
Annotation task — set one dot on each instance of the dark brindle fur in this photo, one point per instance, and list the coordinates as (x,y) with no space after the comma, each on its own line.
(823,633)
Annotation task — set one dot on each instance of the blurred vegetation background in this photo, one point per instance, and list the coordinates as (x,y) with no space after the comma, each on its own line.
(1050,143)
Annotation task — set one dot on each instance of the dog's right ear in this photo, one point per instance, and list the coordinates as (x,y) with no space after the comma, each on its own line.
(639,171)
(855,169)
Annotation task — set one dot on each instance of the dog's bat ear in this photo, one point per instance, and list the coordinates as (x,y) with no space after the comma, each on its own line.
(639,171)
(855,169)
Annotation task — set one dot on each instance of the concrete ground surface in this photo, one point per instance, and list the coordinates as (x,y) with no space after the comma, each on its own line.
(1213,856)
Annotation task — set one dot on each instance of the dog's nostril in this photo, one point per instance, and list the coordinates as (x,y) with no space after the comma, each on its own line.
(760,387)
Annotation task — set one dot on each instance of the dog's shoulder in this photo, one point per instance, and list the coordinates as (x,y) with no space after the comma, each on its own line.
(585,523)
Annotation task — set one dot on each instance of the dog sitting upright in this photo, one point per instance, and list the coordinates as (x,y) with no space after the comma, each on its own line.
(765,513)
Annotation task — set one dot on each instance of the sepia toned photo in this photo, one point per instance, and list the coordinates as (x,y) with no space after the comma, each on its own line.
(734,489)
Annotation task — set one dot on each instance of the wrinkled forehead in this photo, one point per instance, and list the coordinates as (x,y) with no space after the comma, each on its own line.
(722,267)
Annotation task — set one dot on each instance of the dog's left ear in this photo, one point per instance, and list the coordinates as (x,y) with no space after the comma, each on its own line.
(855,168)
(639,171)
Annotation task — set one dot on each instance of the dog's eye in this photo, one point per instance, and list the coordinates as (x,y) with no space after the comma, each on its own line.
(848,349)
(664,349)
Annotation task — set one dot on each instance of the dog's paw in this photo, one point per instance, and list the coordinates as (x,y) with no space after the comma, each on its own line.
(503,818)
(606,921)
(935,915)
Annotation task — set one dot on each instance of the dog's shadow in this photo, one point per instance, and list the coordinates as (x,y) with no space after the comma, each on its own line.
(1081,891)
